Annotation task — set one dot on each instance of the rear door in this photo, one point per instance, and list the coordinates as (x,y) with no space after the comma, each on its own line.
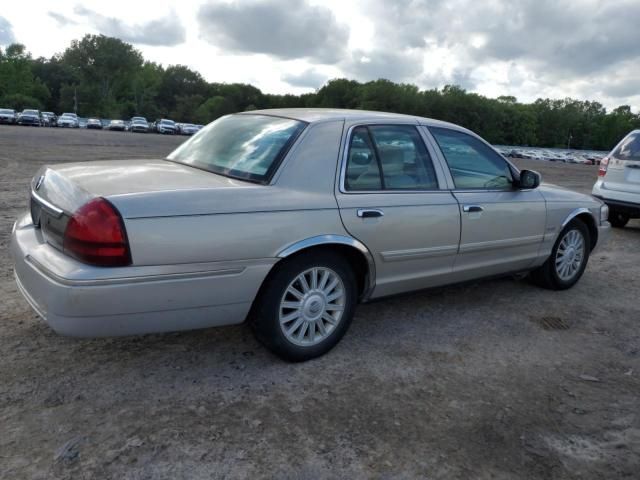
(502,226)
(623,171)
(392,198)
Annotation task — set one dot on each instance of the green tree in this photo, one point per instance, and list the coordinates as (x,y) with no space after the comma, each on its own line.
(105,68)
(213,108)
(107,77)
(19,88)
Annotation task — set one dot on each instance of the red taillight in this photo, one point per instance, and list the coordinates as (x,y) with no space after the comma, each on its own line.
(95,234)
(602,171)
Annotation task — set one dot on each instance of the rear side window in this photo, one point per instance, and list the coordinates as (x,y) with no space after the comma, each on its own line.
(388,157)
(363,168)
(472,163)
(247,146)
(629,148)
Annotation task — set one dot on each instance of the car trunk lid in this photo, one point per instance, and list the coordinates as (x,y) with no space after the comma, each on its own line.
(59,191)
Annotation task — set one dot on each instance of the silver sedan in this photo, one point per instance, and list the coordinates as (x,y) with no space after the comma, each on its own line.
(289,218)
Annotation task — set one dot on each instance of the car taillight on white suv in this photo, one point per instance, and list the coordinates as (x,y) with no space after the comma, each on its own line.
(95,234)
(602,171)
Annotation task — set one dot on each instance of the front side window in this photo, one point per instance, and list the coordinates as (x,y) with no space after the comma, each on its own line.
(472,163)
(247,146)
(389,157)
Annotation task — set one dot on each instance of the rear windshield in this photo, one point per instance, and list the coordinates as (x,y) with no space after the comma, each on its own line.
(248,147)
(629,148)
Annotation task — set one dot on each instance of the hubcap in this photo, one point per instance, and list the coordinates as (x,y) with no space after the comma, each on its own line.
(570,255)
(312,306)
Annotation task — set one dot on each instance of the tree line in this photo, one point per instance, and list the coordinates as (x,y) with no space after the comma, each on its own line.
(106,77)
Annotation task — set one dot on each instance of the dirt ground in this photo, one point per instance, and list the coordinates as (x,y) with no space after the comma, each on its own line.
(497,379)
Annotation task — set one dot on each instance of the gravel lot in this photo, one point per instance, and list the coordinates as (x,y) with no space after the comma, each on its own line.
(496,379)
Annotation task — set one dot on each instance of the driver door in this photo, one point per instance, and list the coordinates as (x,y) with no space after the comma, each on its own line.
(502,227)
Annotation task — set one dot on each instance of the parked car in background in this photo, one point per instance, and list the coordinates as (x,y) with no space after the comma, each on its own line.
(117,125)
(49,119)
(94,124)
(139,124)
(188,129)
(618,183)
(68,120)
(8,116)
(166,126)
(305,212)
(30,117)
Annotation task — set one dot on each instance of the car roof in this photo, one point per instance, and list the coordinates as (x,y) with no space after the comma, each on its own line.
(315,115)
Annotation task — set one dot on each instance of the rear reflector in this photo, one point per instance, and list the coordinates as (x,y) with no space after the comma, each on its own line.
(95,235)
(602,171)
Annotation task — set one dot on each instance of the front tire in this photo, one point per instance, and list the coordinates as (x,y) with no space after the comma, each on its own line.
(618,219)
(305,306)
(568,258)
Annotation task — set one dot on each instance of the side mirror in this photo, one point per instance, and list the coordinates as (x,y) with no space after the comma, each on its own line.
(529,179)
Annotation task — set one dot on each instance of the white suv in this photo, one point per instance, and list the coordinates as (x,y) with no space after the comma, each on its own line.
(618,182)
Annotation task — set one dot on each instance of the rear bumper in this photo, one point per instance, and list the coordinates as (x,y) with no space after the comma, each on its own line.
(626,202)
(630,208)
(79,300)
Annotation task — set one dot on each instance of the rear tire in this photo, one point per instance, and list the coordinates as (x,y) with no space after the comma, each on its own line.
(305,306)
(618,219)
(568,258)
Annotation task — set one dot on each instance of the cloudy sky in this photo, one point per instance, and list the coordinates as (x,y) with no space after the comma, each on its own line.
(587,49)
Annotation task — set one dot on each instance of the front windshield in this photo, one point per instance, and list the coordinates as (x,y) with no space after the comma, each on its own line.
(4,110)
(30,112)
(167,122)
(243,146)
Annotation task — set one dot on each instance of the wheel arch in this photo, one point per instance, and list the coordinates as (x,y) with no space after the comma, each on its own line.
(356,253)
(585,215)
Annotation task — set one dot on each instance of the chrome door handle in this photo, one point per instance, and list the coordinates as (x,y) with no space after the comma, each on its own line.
(472,208)
(370,213)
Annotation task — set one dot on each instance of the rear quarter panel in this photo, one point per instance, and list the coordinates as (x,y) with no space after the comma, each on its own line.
(209,225)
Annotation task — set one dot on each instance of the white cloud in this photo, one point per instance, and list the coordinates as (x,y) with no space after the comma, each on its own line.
(6,32)
(587,49)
